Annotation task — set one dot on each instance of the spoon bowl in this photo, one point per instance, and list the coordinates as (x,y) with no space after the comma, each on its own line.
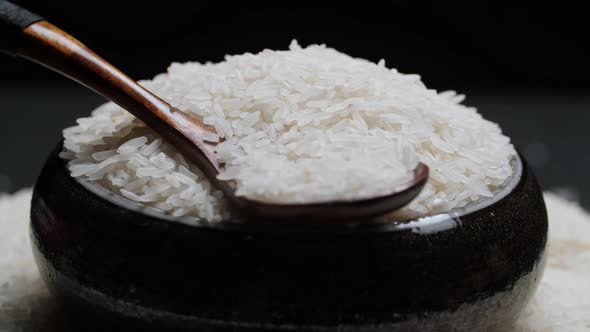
(336,211)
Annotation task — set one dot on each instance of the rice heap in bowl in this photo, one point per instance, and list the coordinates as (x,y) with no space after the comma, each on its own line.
(304,125)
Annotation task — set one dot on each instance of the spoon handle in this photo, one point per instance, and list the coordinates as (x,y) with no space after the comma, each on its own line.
(27,35)
(13,20)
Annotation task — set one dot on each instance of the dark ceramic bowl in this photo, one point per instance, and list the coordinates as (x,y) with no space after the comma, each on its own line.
(472,269)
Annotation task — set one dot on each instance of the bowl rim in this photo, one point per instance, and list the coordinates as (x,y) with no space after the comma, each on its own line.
(423,225)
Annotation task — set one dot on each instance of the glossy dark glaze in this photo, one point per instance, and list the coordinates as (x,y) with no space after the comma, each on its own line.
(477,275)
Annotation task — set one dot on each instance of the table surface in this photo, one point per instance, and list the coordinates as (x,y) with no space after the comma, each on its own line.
(549,127)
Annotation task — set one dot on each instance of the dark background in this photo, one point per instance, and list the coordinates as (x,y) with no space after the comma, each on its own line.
(522,64)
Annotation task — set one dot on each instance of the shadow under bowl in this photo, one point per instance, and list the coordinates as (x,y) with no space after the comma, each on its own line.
(472,269)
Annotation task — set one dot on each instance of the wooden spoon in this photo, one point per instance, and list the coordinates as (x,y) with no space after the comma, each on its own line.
(29,36)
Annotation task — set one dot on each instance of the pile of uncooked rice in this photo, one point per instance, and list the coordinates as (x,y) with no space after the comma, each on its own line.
(304,125)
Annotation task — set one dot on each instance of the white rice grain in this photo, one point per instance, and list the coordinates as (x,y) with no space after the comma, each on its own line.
(304,125)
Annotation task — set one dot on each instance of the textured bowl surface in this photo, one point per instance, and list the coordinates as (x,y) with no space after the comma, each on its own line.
(469,270)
